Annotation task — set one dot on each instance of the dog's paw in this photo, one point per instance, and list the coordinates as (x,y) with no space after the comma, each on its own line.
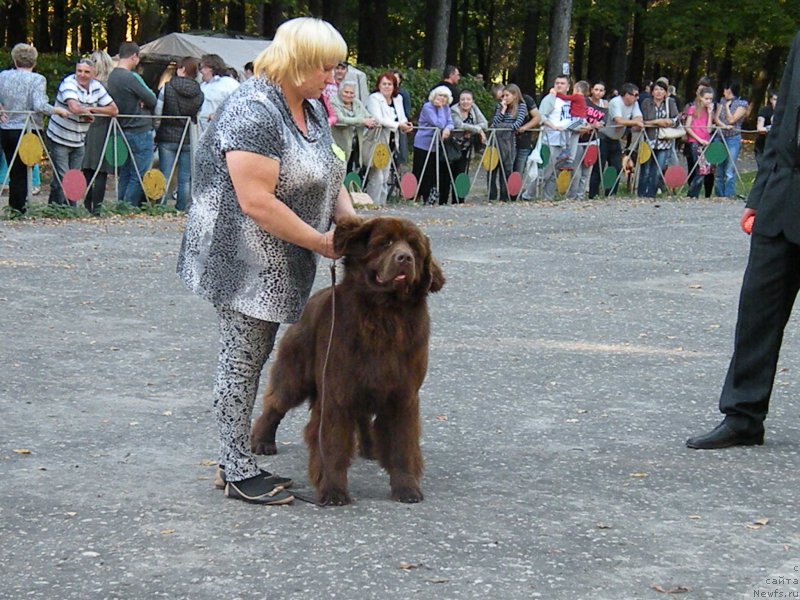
(266,448)
(409,495)
(334,498)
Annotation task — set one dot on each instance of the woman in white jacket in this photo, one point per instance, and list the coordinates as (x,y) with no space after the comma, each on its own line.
(386,106)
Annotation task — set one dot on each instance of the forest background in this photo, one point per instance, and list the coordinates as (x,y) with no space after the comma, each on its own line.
(524,42)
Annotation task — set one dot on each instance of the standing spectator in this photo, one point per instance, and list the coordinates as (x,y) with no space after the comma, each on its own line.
(21,90)
(698,136)
(658,111)
(94,167)
(764,124)
(509,115)
(596,115)
(770,283)
(623,112)
(180,97)
(386,105)
(268,188)
(133,98)
(524,134)
(587,122)
(468,123)
(248,70)
(84,97)
(402,147)
(216,87)
(435,124)
(708,180)
(554,111)
(731,112)
(351,118)
(450,78)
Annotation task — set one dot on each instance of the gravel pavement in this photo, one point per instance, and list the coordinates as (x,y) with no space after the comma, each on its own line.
(575,347)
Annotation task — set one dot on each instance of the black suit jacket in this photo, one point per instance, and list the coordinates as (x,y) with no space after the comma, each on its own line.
(776,191)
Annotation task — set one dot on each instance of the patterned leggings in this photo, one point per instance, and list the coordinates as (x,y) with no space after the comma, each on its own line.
(245,346)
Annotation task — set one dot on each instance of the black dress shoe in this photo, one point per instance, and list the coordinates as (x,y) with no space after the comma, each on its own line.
(724,437)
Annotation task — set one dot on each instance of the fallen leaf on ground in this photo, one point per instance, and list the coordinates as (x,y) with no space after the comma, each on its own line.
(408,566)
(639,475)
(22,451)
(208,463)
(758,523)
(441,418)
(679,589)
(167,531)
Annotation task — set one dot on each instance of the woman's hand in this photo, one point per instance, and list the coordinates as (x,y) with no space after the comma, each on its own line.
(406,127)
(445,134)
(369,122)
(325,246)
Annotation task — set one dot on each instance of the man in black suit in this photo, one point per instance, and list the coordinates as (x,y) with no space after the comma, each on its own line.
(771,280)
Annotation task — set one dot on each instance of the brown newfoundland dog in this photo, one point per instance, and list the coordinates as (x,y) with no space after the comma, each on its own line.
(359,355)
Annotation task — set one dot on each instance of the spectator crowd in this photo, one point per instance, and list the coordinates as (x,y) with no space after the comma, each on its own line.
(580,140)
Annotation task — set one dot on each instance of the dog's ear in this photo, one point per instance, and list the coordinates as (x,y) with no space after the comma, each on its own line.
(349,232)
(433,272)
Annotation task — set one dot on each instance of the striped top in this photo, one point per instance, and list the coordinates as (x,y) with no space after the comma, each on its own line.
(72,131)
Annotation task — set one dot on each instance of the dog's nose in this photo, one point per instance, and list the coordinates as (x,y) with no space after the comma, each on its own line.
(403,258)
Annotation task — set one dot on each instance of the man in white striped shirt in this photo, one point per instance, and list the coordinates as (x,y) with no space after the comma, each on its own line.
(83,96)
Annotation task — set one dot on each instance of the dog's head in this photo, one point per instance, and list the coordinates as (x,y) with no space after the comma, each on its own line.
(388,255)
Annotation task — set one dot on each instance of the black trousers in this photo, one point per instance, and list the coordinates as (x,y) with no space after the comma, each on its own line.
(18,172)
(770,286)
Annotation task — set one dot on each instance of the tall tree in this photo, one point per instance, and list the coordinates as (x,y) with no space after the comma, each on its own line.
(16,22)
(236,15)
(638,48)
(441,27)
(560,24)
(371,47)
(526,65)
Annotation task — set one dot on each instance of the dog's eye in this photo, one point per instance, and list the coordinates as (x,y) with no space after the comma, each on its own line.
(388,243)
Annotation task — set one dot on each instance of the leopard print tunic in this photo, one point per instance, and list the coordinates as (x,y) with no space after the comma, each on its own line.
(225,257)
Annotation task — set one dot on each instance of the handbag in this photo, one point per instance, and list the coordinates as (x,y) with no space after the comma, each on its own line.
(357,195)
(452,151)
(672,133)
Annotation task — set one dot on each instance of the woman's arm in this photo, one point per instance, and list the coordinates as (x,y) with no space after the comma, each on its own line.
(375,109)
(254,178)
(344,206)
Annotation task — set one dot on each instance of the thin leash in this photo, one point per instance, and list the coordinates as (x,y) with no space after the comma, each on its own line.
(322,386)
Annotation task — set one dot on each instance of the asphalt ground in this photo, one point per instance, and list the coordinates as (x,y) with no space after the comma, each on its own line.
(575,347)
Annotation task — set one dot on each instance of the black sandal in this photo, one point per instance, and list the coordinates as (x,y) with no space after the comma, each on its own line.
(275,480)
(257,490)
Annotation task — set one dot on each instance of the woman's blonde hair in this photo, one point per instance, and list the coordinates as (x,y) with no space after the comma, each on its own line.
(24,56)
(103,65)
(299,47)
(441,90)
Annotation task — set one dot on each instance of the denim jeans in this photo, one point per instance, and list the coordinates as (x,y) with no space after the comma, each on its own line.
(726,171)
(63,158)
(130,184)
(167,152)
(650,178)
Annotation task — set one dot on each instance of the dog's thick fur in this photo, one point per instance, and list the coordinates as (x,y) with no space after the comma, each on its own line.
(376,364)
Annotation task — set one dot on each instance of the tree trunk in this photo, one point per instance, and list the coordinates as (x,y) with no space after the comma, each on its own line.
(116,26)
(617,59)
(172,23)
(597,65)
(371,49)
(332,12)
(16,22)
(579,53)
(204,8)
(149,25)
(86,42)
(441,27)
(526,65)
(726,64)
(41,33)
(455,39)
(273,17)
(560,24)
(637,55)
(236,16)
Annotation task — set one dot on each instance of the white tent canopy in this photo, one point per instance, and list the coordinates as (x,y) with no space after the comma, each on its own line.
(235,52)
(174,46)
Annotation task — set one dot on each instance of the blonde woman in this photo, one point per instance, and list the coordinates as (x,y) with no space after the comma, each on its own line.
(268,187)
(386,105)
(95,140)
